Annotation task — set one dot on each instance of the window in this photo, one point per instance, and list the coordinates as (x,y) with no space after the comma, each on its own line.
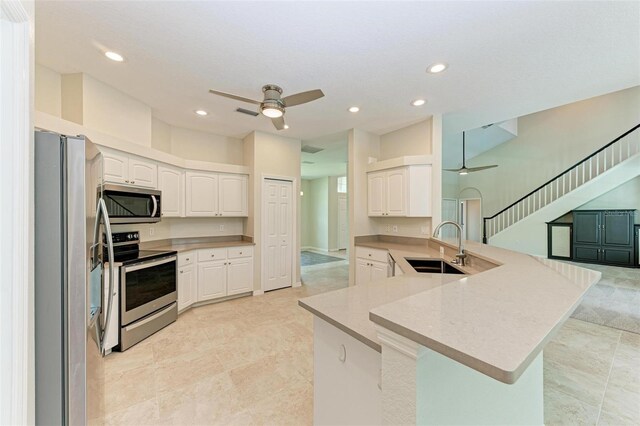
(342,184)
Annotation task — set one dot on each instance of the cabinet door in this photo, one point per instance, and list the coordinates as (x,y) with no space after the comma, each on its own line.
(396,192)
(239,275)
(617,228)
(202,194)
(363,271)
(115,167)
(186,286)
(212,280)
(375,194)
(617,256)
(379,270)
(586,227)
(171,183)
(143,173)
(233,196)
(589,253)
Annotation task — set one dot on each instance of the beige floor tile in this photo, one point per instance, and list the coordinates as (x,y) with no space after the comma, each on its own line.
(128,388)
(563,409)
(291,406)
(184,370)
(144,413)
(140,355)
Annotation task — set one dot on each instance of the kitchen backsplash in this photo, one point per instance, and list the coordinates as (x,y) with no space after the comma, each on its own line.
(185,228)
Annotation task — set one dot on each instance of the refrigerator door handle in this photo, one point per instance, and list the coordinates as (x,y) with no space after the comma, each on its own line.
(102,210)
(155,206)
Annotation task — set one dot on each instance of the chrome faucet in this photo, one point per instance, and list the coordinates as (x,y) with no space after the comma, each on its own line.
(461,256)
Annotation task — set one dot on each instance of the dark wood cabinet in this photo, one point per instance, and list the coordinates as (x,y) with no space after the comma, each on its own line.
(604,236)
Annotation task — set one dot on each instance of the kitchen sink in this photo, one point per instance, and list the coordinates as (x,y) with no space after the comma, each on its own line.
(432,266)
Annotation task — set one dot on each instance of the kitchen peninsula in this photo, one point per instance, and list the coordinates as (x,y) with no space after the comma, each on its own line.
(442,348)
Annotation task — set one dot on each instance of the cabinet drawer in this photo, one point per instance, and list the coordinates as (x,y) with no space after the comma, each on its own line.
(371,254)
(242,251)
(212,254)
(186,258)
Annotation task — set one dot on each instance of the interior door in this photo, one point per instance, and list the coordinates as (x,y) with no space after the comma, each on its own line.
(343,222)
(277,223)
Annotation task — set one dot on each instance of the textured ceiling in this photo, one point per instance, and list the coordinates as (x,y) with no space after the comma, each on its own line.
(331,161)
(505,59)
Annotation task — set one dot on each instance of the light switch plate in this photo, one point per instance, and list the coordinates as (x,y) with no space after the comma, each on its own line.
(152,231)
(222,227)
(441,251)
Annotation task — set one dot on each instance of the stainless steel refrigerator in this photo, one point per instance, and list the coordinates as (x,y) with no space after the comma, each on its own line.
(71,304)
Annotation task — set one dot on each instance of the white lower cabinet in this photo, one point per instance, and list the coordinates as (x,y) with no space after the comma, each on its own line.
(210,274)
(371,265)
(212,280)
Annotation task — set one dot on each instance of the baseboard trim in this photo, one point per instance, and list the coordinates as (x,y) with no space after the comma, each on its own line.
(258,292)
(297,284)
(314,248)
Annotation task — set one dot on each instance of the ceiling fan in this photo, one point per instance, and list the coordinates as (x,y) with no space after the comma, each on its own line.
(466,170)
(274,105)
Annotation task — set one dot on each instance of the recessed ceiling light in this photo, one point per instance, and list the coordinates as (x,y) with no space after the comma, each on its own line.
(114,56)
(201,112)
(354,109)
(286,126)
(436,68)
(418,102)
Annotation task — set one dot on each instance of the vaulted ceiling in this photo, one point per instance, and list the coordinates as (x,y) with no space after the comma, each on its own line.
(505,59)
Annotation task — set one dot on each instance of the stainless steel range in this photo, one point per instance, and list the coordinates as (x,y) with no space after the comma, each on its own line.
(148,295)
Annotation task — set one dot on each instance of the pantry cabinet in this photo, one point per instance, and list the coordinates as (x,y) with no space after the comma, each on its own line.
(400,192)
(171,183)
(216,194)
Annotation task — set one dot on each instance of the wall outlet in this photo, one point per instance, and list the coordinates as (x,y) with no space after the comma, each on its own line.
(423,230)
(441,251)
(221,227)
(395,228)
(388,228)
(152,231)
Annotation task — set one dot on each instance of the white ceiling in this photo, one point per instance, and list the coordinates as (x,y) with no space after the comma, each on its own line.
(506,59)
(331,161)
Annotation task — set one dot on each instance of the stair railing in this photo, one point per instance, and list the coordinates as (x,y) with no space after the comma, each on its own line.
(610,155)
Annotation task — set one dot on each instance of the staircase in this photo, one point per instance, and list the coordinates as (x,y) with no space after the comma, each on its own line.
(525,219)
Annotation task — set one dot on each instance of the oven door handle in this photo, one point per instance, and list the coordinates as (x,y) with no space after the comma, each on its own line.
(155,206)
(150,263)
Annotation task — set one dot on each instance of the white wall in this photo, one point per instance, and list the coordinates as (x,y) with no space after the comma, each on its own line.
(271,155)
(160,135)
(625,196)
(317,226)
(48,86)
(548,142)
(197,145)
(411,140)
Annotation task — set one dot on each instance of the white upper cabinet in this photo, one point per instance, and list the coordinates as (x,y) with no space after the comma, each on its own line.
(127,169)
(211,194)
(400,191)
(202,194)
(233,195)
(143,172)
(115,167)
(171,183)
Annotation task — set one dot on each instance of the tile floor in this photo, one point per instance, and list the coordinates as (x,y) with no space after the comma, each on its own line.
(249,361)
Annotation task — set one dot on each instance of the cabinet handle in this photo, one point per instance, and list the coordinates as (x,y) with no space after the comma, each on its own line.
(240,252)
(213,255)
(182,272)
(342,354)
(126,181)
(133,181)
(369,254)
(187,259)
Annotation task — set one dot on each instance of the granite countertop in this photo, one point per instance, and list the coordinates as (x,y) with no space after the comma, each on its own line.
(495,321)
(187,244)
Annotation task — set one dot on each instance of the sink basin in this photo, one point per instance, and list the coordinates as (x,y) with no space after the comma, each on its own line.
(432,266)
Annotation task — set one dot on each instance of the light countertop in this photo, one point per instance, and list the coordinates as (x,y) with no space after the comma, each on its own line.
(495,320)
(187,244)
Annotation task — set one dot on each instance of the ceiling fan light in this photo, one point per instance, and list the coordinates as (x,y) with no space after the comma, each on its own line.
(463,172)
(272,111)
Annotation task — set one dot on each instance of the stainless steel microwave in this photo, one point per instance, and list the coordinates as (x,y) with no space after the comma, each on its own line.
(127,204)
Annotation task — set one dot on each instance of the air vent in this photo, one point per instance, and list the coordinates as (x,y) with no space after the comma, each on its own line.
(308,162)
(311,149)
(248,112)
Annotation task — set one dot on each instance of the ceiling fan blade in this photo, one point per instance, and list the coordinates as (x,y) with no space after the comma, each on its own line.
(278,123)
(237,98)
(451,170)
(477,169)
(302,98)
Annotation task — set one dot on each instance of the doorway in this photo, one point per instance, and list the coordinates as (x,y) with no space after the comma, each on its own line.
(471,219)
(277,232)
